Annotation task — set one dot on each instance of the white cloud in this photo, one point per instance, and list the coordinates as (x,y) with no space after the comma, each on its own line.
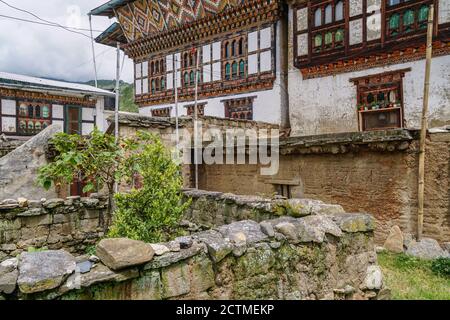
(45,51)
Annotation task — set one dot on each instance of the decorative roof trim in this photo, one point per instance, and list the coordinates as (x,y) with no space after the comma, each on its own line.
(252,13)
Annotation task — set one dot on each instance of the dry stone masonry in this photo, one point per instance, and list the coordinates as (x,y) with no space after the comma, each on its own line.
(72,223)
(313,257)
(210,208)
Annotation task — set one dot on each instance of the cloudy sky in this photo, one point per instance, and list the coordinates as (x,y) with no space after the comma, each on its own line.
(45,51)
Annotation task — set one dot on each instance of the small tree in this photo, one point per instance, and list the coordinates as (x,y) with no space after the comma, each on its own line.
(96,160)
(152,212)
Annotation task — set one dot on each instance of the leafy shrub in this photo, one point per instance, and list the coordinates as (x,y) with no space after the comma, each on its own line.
(151,213)
(441,266)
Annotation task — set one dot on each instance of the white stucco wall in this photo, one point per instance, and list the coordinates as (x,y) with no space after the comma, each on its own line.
(328,104)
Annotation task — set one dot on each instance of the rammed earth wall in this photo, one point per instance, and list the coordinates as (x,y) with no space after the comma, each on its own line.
(313,257)
(373,172)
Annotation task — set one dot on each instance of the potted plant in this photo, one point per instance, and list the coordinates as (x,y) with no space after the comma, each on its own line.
(374,105)
(360,107)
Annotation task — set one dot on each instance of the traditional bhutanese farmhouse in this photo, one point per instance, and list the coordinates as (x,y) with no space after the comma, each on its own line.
(242,55)
(358,65)
(29,105)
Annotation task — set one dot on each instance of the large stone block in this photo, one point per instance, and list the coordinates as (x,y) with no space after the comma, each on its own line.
(426,248)
(120,253)
(40,271)
(147,287)
(355,222)
(175,280)
(218,246)
(202,274)
(394,241)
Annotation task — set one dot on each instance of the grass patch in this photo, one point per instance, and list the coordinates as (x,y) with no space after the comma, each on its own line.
(410,278)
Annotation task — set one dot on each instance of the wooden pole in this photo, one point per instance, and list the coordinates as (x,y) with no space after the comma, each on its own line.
(116,108)
(196,160)
(423,130)
(93,51)
(175,88)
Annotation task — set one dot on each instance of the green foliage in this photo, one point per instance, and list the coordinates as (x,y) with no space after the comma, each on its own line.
(413,279)
(126,102)
(127,99)
(95,159)
(33,249)
(152,212)
(441,266)
(91,250)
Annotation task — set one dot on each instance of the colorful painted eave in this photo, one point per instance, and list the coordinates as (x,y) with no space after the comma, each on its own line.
(107,9)
(112,35)
(250,13)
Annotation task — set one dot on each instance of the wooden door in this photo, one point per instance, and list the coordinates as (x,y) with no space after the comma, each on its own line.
(73,120)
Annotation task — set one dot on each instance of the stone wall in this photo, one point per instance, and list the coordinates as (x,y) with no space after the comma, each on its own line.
(6,145)
(210,209)
(363,172)
(18,169)
(313,257)
(72,223)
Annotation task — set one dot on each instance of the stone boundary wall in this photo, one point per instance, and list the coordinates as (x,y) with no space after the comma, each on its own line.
(312,257)
(6,145)
(211,209)
(72,223)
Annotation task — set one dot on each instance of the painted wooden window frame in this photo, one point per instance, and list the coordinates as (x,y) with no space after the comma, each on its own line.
(161,112)
(375,84)
(200,109)
(382,44)
(235,108)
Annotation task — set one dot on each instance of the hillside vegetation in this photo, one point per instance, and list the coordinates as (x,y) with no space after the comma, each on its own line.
(126,93)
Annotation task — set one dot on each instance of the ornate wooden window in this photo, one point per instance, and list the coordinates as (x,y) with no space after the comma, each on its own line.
(328,32)
(241,108)
(157,75)
(380,100)
(189,64)
(404,18)
(163,112)
(234,58)
(334,36)
(33,117)
(200,109)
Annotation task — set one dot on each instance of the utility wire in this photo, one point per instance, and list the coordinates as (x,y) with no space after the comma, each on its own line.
(53,23)
(45,24)
(90,60)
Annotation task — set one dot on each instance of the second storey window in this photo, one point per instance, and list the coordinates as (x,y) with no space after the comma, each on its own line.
(157,75)
(189,65)
(234,58)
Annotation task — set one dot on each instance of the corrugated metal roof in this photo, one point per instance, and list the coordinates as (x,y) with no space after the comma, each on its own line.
(45,84)
(107,9)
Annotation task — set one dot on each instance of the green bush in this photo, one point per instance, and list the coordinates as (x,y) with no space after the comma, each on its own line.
(151,213)
(441,266)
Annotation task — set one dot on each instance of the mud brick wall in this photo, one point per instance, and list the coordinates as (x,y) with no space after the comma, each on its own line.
(72,223)
(374,173)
